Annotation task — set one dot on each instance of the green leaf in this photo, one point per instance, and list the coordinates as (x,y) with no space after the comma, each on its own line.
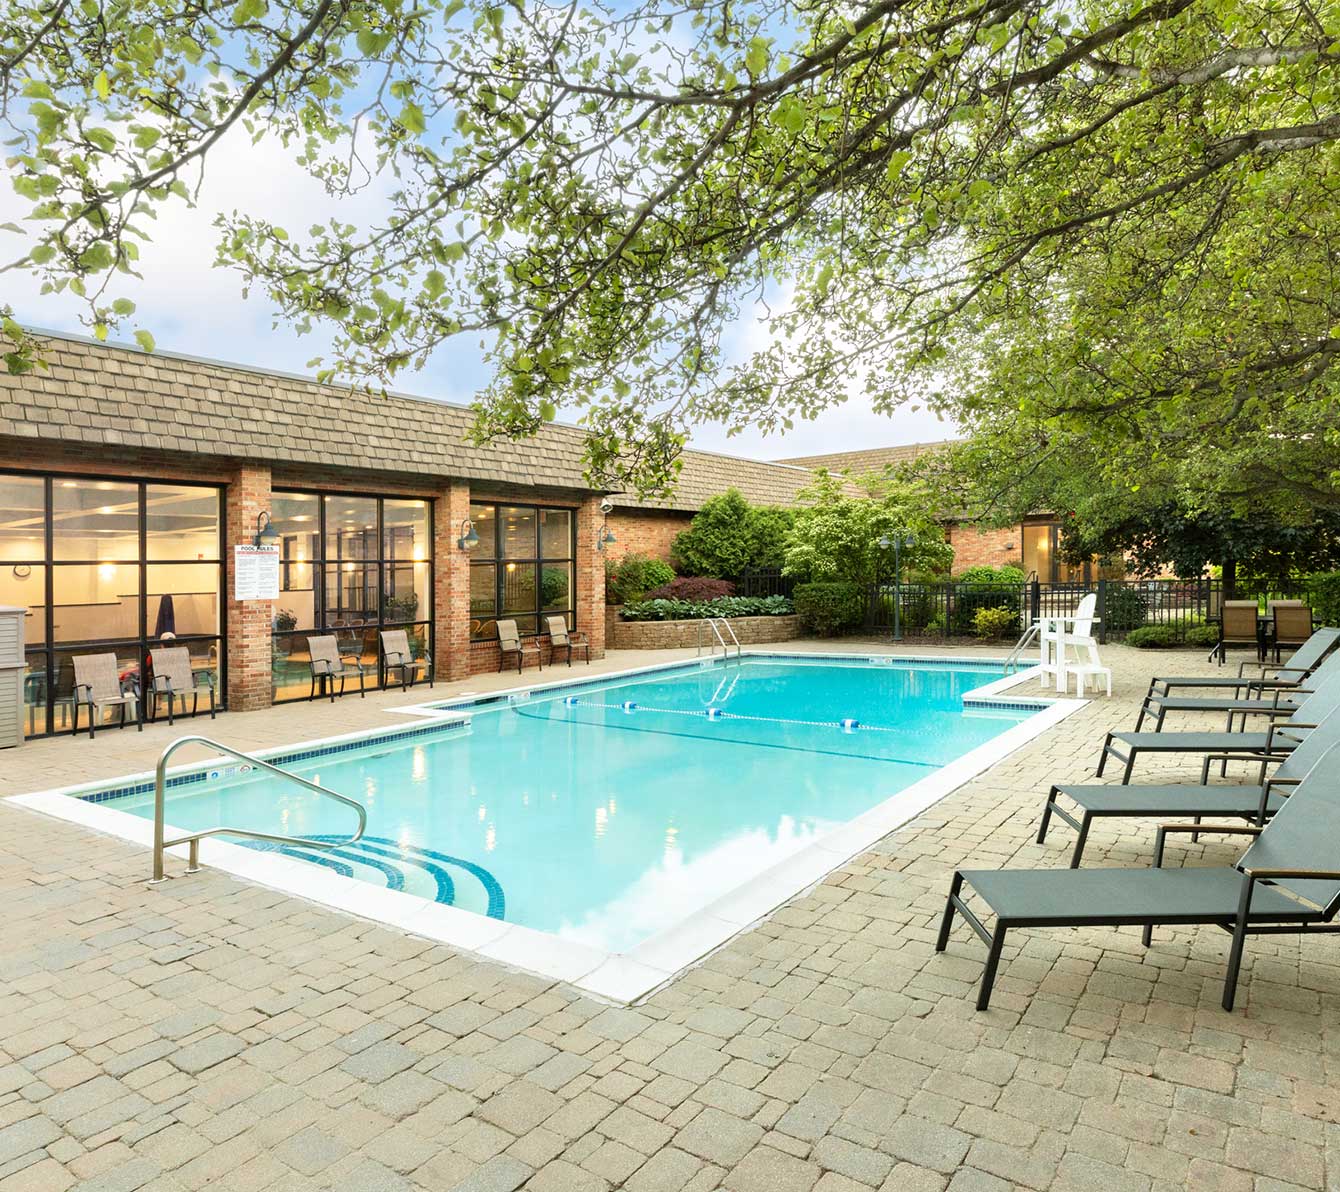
(411,118)
(145,340)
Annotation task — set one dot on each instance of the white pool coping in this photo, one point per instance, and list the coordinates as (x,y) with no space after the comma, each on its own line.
(621,977)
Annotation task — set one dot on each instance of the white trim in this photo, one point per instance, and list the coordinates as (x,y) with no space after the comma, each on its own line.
(616,977)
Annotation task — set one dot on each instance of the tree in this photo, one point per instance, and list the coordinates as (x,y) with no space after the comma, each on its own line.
(836,534)
(728,536)
(1162,521)
(1119,215)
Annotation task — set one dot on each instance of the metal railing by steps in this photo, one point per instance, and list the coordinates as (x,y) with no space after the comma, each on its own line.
(193,839)
(715,624)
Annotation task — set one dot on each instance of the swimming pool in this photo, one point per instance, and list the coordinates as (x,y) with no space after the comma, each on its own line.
(603,817)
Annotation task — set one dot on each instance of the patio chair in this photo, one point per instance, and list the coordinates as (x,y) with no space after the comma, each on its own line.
(175,677)
(328,664)
(98,685)
(1298,667)
(1238,626)
(561,639)
(1249,801)
(509,642)
(397,656)
(1268,702)
(1280,738)
(1288,881)
(1293,624)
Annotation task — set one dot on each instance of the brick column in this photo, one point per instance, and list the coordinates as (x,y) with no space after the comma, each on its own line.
(249,621)
(591,576)
(451,579)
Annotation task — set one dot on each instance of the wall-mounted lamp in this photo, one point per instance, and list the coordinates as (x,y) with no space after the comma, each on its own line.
(468,539)
(266,534)
(605,537)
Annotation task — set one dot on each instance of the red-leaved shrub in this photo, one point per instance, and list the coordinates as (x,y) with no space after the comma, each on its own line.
(693,587)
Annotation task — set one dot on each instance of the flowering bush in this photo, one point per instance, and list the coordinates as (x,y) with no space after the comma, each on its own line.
(697,610)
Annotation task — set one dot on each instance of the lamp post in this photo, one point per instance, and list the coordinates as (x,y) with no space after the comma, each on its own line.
(900,539)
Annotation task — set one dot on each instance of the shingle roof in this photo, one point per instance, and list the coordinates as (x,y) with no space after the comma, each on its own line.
(122,397)
(872,459)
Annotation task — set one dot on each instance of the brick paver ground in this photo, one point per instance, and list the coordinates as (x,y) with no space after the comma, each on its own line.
(210,1033)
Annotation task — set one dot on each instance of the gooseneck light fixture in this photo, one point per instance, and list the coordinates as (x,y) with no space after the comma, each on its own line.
(468,539)
(266,534)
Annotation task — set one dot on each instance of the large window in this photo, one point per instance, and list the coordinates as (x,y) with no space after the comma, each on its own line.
(522,568)
(107,566)
(350,565)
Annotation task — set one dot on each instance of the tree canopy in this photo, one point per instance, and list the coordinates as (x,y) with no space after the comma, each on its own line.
(1116,216)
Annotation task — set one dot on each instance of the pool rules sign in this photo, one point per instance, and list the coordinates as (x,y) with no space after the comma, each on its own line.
(255,573)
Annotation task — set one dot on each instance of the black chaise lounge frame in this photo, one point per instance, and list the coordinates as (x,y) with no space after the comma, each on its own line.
(1287,882)
(1301,663)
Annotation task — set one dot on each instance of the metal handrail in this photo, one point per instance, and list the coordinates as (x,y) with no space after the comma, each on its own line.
(193,865)
(1029,636)
(731,630)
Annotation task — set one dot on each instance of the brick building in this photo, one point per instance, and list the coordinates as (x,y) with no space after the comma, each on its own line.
(1033,544)
(127,481)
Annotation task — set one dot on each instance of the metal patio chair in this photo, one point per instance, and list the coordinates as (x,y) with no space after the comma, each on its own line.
(1238,626)
(509,642)
(1293,624)
(561,639)
(176,678)
(98,685)
(397,656)
(1298,667)
(328,664)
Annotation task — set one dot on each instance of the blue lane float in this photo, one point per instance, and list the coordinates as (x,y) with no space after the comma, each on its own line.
(849,725)
(628,706)
(713,713)
(570,701)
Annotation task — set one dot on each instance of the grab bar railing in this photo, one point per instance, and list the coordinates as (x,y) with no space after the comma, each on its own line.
(194,838)
(1030,635)
(715,624)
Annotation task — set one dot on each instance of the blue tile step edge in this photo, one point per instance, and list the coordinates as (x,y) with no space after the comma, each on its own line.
(288,758)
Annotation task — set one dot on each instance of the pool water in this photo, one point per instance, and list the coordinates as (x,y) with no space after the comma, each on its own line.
(607,812)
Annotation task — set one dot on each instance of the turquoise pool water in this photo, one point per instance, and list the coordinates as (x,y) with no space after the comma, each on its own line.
(607,812)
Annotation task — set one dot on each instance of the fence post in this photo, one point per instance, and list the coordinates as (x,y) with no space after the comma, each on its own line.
(1035,602)
(1102,612)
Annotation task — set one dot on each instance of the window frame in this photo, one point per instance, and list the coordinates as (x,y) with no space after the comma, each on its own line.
(499,562)
(141,643)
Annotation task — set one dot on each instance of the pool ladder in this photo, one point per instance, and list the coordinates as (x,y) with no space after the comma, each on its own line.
(716,624)
(194,838)
(1030,636)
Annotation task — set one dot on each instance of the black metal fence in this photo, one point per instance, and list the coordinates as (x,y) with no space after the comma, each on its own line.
(950,609)
(765,581)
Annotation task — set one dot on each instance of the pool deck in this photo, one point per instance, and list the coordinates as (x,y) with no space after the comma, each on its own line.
(212,1033)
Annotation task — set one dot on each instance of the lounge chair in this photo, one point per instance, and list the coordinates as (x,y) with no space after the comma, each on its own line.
(1300,665)
(1288,881)
(1280,738)
(1238,626)
(397,656)
(175,677)
(1293,624)
(509,642)
(1251,801)
(561,639)
(1273,702)
(328,664)
(98,685)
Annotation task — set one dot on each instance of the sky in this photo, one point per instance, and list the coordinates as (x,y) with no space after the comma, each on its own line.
(190,306)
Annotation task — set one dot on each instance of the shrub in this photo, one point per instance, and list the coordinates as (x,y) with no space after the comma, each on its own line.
(991,624)
(633,576)
(1152,637)
(1123,608)
(698,588)
(728,535)
(984,574)
(697,610)
(1324,593)
(1202,635)
(829,608)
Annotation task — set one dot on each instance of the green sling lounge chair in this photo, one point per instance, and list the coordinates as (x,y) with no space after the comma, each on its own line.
(1260,747)
(1300,665)
(1278,703)
(1256,802)
(1288,881)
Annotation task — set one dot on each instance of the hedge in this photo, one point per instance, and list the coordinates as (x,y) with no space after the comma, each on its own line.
(828,608)
(698,610)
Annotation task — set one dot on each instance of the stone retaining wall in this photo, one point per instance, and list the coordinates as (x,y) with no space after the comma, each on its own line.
(673,635)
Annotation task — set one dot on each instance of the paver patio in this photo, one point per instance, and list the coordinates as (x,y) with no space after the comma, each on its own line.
(211,1033)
